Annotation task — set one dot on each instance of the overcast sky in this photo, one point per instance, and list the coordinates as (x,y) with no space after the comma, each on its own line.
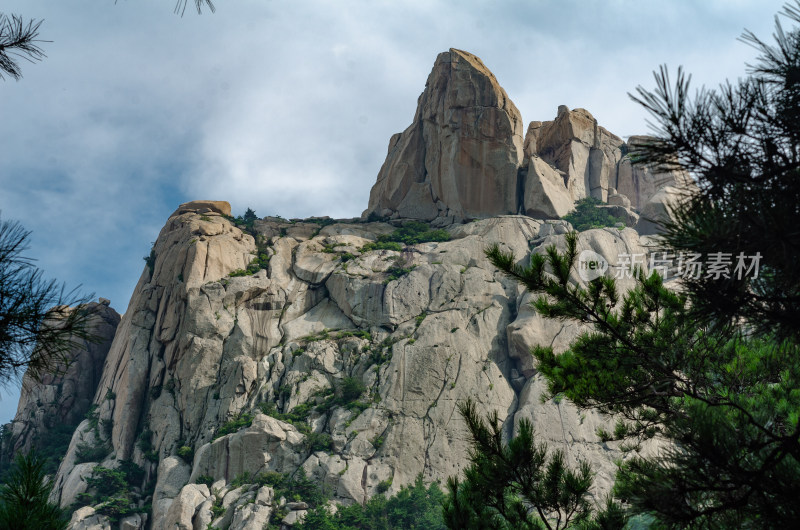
(287,107)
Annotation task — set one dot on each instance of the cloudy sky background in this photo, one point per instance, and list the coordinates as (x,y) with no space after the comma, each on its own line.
(287,107)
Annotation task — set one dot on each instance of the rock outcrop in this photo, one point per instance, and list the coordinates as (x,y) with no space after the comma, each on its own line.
(277,348)
(575,144)
(60,401)
(595,163)
(463,157)
(459,157)
(545,194)
(205,367)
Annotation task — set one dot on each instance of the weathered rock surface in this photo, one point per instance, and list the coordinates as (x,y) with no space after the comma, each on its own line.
(575,144)
(463,157)
(62,399)
(202,361)
(545,195)
(461,153)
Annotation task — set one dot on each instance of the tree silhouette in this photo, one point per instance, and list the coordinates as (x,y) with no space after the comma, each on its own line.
(39,319)
(18,40)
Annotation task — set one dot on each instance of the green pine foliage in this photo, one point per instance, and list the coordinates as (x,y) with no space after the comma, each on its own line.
(587,215)
(261,259)
(351,388)
(52,447)
(246,221)
(109,490)
(519,484)
(416,232)
(24,501)
(409,234)
(239,422)
(382,245)
(730,404)
(397,271)
(414,507)
(346,394)
(742,144)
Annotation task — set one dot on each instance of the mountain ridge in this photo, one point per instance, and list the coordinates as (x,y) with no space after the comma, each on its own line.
(270,346)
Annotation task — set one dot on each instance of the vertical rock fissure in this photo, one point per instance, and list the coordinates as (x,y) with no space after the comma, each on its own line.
(522,174)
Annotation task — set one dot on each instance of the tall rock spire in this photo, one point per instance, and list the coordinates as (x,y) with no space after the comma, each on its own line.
(460,155)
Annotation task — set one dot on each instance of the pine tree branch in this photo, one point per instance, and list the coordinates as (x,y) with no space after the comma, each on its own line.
(18,39)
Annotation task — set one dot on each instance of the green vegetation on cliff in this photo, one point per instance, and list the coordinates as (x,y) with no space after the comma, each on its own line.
(409,234)
(24,503)
(414,507)
(588,214)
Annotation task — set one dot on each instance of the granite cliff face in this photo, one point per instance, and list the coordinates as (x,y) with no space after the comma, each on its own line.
(463,157)
(459,157)
(344,360)
(198,348)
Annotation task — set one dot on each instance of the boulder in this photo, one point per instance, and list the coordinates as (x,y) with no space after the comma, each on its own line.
(294,517)
(250,516)
(546,196)
(575,144)
(182,510)
(267,445)
(136,521)
(203,207)
(86,519)
(173,474)
(617,199)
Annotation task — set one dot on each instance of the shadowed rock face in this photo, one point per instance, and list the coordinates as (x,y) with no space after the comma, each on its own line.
(460,155)
(63,399)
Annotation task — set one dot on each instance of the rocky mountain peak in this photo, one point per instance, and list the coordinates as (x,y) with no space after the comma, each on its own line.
(459,157)
(463,157)
(340,349)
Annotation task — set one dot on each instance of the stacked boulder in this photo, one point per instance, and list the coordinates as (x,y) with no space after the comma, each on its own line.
(463,157)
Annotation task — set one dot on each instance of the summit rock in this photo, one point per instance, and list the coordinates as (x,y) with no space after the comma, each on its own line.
(460,155)
(464,157)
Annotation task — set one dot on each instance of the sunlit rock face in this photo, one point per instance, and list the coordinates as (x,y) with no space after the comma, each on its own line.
(464,157)
(460,155)
(198,349)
